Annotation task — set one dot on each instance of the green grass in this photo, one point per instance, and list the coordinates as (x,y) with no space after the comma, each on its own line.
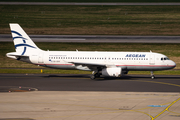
(44,71)
(116,20)
(58,71)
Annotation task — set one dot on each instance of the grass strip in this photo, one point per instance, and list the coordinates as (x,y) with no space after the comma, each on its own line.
(44,71)
(57,71)
(94,20)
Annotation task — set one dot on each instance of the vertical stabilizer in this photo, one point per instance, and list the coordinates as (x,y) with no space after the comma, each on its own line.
(22,42)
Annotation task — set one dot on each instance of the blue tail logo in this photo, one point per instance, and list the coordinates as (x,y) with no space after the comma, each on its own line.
(22,44)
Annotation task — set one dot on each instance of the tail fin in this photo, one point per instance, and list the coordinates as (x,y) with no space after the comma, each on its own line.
(22,42)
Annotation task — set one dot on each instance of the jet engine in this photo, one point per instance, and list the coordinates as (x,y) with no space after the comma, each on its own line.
(114,72)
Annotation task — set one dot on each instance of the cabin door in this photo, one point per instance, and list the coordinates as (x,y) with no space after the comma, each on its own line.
(152,59)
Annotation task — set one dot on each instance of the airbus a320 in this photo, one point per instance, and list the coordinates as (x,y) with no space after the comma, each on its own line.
(113,64)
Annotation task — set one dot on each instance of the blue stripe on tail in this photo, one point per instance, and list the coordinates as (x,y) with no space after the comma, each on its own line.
(24,51)
(19,45)
(16,32)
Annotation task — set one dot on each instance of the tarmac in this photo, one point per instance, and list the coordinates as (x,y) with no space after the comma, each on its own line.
(97,38)
(76,97)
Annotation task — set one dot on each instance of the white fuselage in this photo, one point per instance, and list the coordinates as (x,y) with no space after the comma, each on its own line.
(142,61)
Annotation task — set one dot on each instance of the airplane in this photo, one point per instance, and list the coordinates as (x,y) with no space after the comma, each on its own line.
(111,64)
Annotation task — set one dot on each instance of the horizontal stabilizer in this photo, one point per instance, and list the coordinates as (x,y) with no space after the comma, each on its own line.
(15,55)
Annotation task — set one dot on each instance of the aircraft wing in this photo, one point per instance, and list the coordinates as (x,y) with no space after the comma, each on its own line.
(91,66)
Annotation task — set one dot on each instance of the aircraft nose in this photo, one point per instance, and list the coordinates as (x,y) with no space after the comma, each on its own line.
(173,64)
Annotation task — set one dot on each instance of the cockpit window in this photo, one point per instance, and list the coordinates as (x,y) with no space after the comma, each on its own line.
(165,58)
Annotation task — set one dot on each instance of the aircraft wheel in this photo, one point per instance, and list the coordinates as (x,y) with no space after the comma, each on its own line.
(93,77)
(152,75)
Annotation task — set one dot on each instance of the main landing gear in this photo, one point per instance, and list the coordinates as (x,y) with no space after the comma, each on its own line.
(95,75)
(152,75)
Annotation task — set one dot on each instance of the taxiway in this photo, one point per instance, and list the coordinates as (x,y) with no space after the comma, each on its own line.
(76,97)
(71,82)
(97,38)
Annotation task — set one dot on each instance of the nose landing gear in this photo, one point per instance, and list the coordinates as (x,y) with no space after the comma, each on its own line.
(152,75)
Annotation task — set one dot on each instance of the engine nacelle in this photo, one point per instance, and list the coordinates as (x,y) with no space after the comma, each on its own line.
(114,72)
